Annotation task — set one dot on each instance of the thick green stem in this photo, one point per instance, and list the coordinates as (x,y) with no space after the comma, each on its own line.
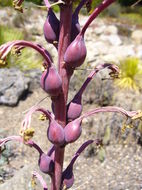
(61,101)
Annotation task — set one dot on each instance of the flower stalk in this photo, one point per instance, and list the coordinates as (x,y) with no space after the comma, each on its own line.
(61,101)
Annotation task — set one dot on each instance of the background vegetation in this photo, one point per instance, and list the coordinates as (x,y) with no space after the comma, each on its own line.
(28,58)
(9,2)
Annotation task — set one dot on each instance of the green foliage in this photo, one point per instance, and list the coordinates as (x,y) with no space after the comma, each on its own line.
(56,8)
(139,10)
(127,2)
(8,34)
(88,7)
(101,154)
(5,3)
(10,2)
(28,58)
(131,74)
(94,4)
(114,10)
(106,138)
(38,2)
(134,18)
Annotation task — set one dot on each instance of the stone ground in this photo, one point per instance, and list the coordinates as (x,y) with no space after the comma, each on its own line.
(120,170)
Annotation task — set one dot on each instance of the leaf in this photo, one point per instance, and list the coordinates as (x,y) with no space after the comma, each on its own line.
(28,59)
(107,135)
(101,154)
(9,34)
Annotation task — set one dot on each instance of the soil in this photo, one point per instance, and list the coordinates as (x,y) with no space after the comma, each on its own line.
(118,169)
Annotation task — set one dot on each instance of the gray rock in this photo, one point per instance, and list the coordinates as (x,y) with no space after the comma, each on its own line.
(101,46)
(111,29)
(137,36)
(110,58)
(21,179)
(113,39)
(92,51)
(99,30)
(139,51)
(34,76)
(120,52)
(13,86)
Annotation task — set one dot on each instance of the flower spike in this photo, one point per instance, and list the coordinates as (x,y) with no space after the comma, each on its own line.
(55,131)
(27,121)
(51,150)
(96,12)
(128,114)
(73,129)
(74,108)
(20,44)
(78,8)
(138,115)
(18,5)
(11,138)
(68,176)
(20,139)
(41,180)
(48,5)
(75,27)
(114,69)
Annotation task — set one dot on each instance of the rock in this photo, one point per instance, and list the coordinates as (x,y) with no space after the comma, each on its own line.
(102,47)
(100,91)
(99,30)
(21,179)
(34,75)
(111,39)
(110,58)
(92,51)
(121,52)
(137,36)
(3,14)
(111,29)
(13,86)
(125,30)
(139,51)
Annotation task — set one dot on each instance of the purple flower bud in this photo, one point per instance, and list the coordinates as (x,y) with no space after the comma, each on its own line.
(51,81)
(51,27)
(73,131)
(75,27)
(46,164)
(76,52)
(55,133)
(68,177)
(74,108)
